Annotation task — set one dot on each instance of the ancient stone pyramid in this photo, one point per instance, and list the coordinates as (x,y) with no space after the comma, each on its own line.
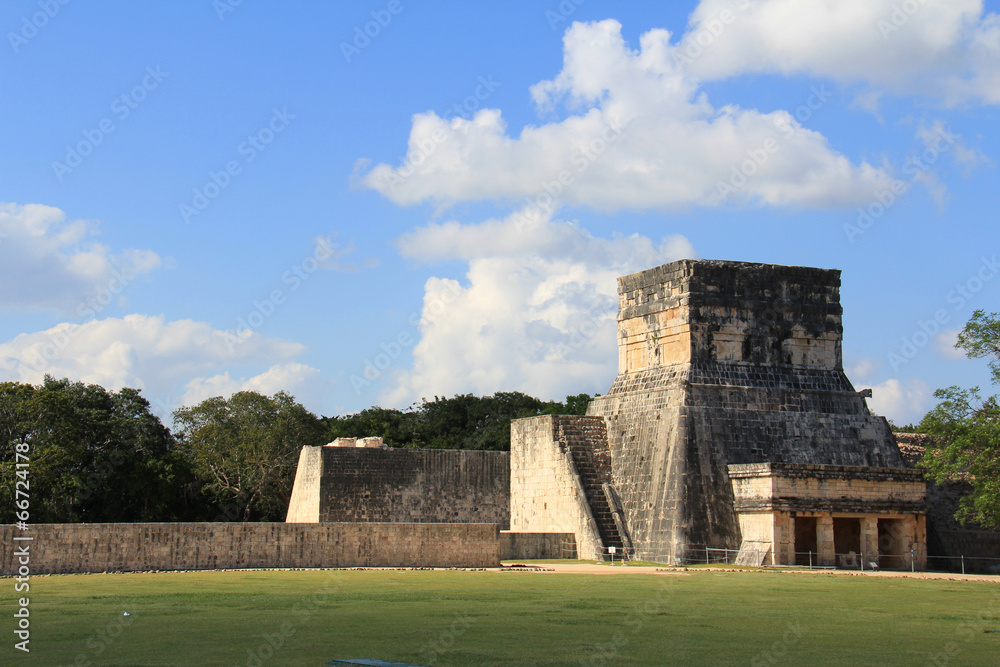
(726,363)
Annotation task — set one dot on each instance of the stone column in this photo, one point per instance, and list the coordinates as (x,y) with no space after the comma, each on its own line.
(916,531)
(824,539)
(869,539)
(783,542)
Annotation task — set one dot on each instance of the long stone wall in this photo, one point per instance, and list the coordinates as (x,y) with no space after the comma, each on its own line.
(125,547)
(342,484)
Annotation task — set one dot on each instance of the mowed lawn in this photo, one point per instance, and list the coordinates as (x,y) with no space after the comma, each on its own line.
(504,618)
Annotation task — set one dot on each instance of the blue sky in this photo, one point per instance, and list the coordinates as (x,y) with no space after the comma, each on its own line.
(373,202)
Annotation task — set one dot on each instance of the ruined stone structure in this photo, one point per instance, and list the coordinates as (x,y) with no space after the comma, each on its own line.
(723,366)
(347,482)
(824,514)
(560,481)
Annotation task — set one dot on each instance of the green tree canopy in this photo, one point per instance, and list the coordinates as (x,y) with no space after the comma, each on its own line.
(968,429)
(246,448)
(94,455)
(464,421)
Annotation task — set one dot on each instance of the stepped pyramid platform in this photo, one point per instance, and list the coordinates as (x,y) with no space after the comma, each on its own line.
(724,365)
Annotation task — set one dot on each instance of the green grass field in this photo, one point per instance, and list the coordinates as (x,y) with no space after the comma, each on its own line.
(509,618)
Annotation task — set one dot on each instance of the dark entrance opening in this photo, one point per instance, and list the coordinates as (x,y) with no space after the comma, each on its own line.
(892,544)
(805,540)
(847,541)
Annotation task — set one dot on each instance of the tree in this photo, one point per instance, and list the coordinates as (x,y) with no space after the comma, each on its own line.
(574,405)
(94,455)
(246,449)
(968,428)
(464,421)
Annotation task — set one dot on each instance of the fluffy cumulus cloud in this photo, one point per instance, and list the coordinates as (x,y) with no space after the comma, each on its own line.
(537,312)
(156,356)
(948,50)
(640,135)
(49,262)
(904,402)
(301,381)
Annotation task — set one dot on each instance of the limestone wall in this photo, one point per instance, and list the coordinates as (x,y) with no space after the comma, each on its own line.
(346,484)
(545,491)
(525,546)
(304,504)
(100,547)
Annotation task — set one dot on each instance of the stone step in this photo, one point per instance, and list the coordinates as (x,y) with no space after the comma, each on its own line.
(581,445)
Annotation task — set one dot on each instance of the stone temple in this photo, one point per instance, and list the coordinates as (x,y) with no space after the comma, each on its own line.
(731,424)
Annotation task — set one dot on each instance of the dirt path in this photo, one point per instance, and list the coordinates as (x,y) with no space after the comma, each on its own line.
(588,568)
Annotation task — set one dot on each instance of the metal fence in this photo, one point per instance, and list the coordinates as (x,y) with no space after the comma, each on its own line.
(702,555)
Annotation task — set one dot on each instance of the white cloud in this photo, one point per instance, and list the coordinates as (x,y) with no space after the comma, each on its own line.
(154,355)
(902,402)
(949,50)
(862,369)
(642,137)
(944,344)
(47,262)
(938,139)
(870,101)
(537,314)
(297,379)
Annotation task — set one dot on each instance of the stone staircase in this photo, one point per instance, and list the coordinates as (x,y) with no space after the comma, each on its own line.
(586,440)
